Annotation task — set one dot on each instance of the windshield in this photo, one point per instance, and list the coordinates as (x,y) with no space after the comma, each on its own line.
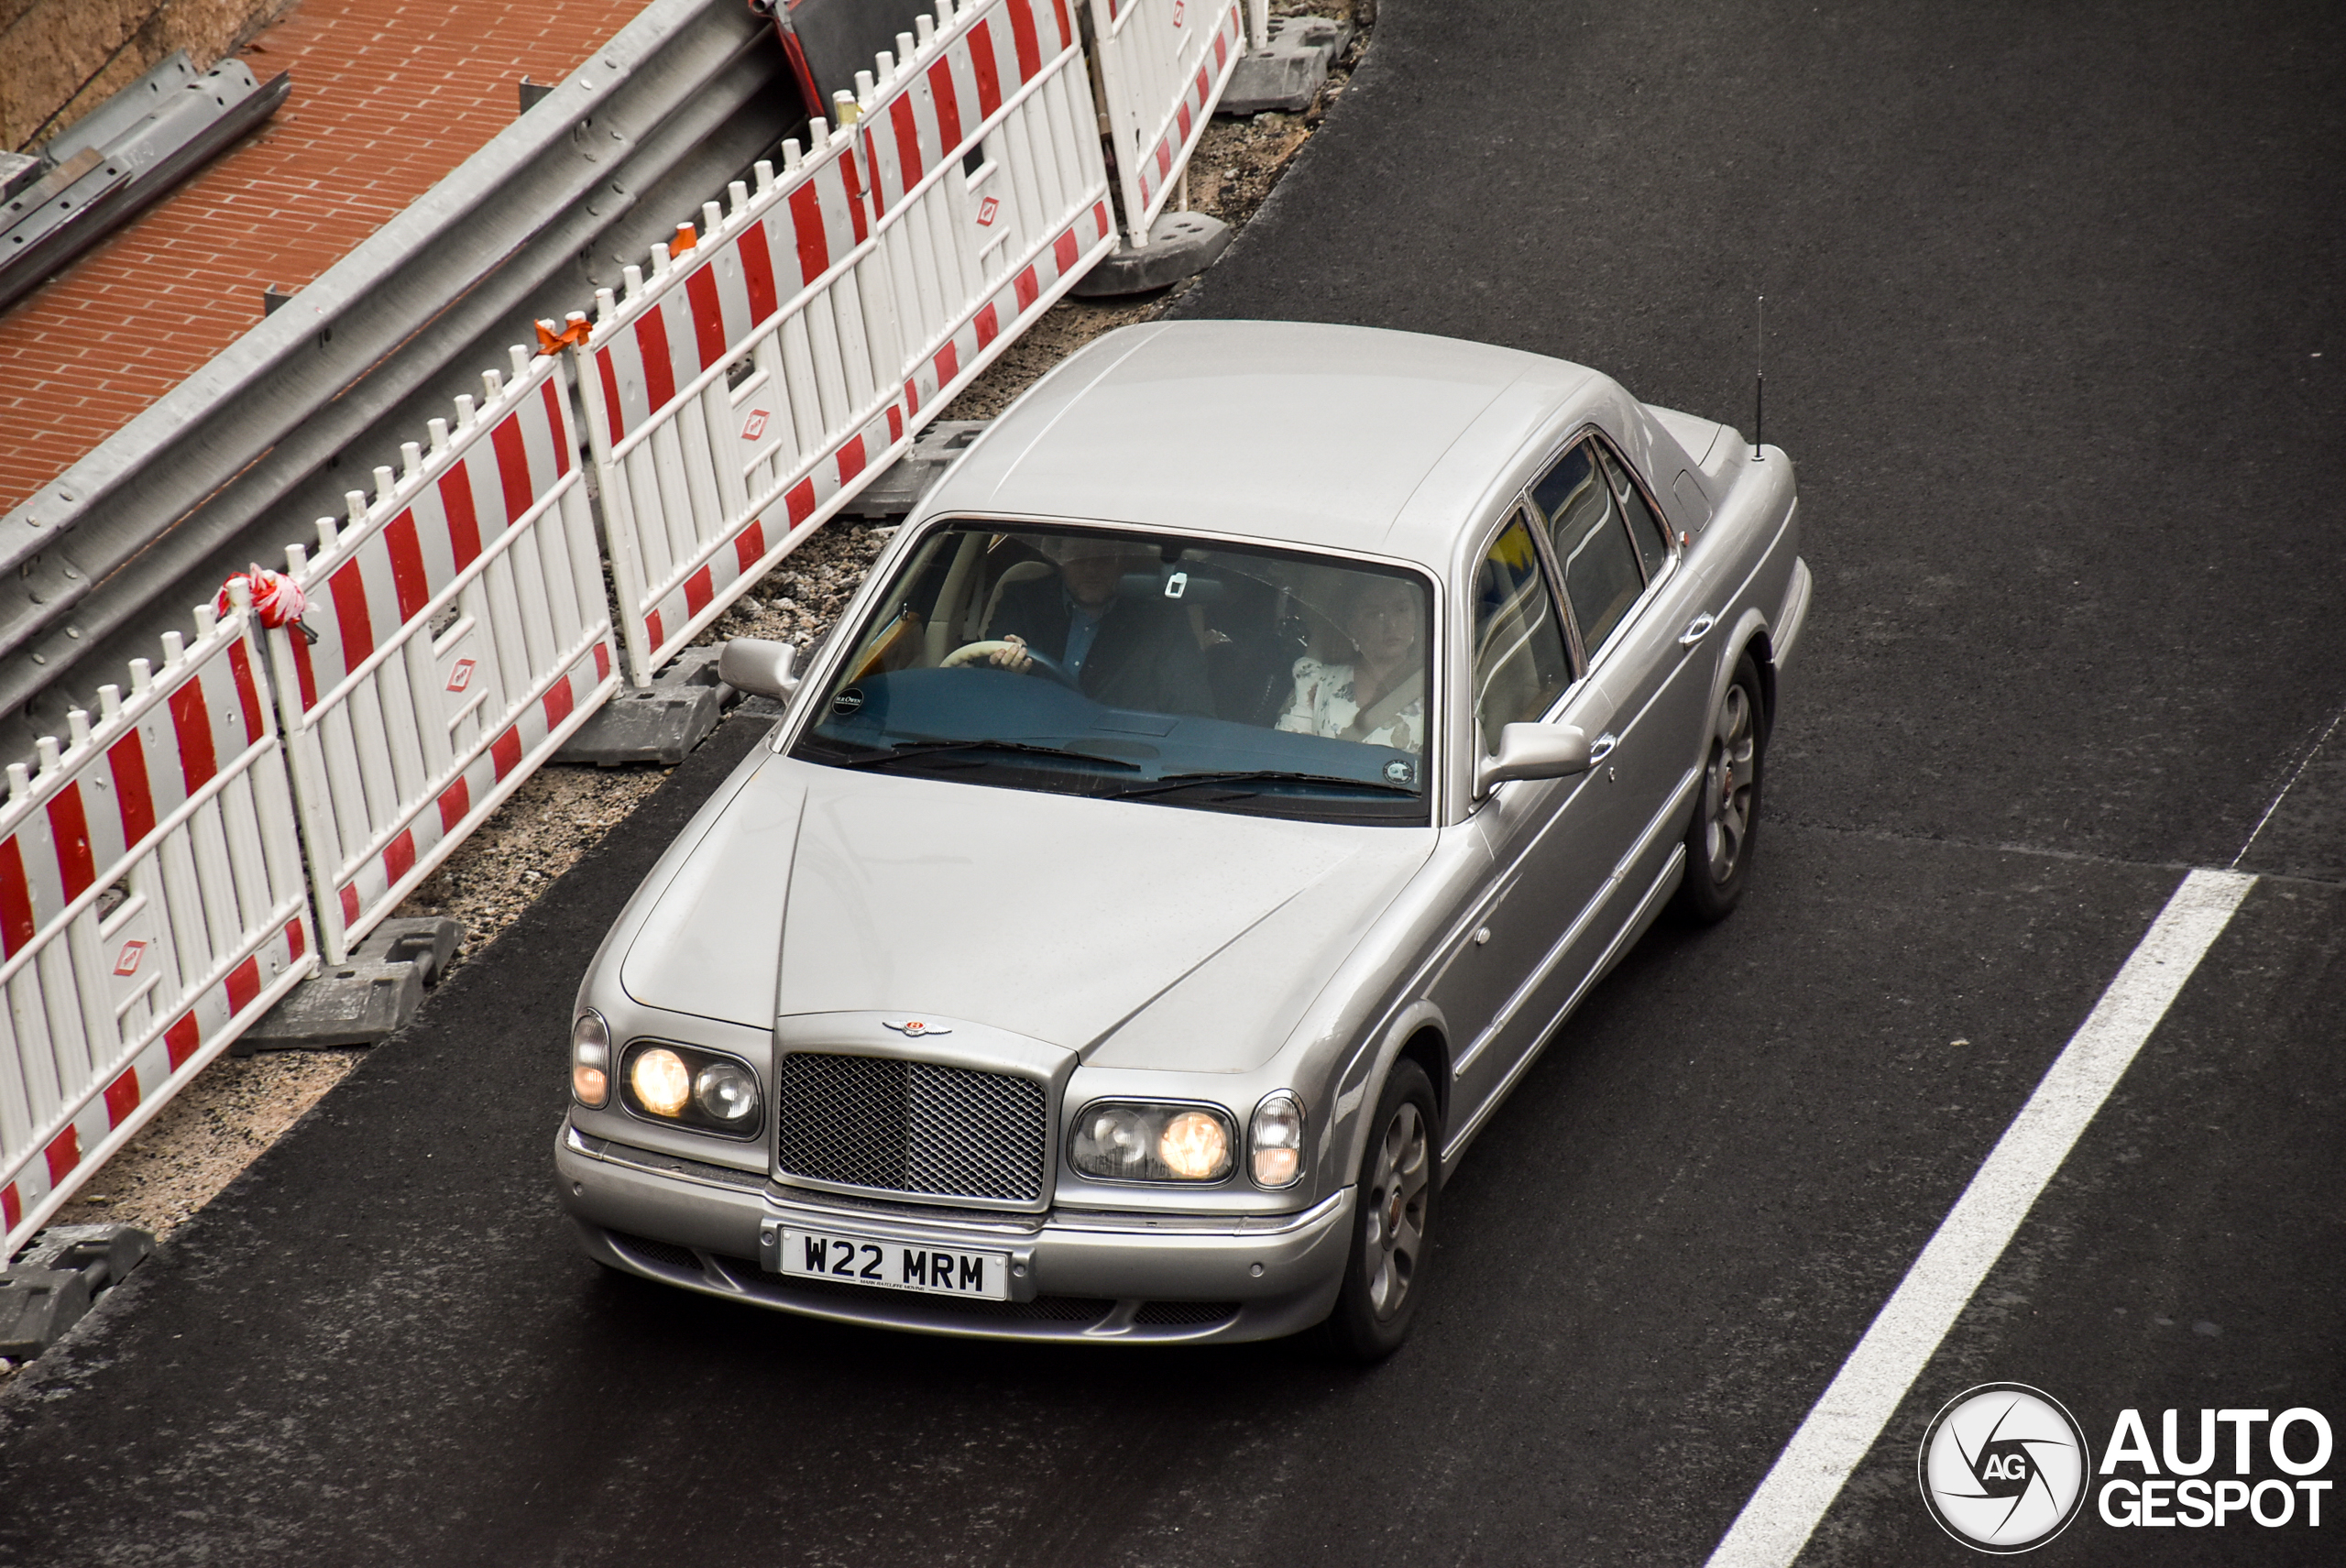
(1154,669)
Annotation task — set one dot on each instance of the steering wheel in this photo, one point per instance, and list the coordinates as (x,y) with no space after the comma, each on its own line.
(982,654)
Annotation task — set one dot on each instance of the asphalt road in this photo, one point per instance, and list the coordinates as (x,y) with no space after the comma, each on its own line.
(2053,307)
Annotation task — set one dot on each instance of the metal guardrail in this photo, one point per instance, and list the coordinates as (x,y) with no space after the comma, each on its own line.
(106,558)
(115,163)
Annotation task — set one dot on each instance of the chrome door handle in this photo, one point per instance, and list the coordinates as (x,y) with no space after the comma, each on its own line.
(1697,629)
(1602,747)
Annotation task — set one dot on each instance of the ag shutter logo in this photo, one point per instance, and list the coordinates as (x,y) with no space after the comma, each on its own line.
(2003,1467)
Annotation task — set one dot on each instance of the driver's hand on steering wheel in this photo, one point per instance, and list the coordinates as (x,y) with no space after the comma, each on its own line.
(1006,654)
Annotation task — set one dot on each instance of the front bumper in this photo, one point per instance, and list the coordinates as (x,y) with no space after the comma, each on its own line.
(1076,1277)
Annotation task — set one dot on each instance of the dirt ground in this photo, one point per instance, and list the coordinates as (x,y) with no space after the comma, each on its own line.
(237,1107)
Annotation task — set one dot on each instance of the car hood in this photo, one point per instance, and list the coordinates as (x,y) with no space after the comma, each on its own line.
(823,889)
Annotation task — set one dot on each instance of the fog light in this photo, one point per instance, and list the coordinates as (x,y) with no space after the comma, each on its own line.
(590,1059)
(1276,1140)
(1194,1146)
(661,1080)
(727,1092)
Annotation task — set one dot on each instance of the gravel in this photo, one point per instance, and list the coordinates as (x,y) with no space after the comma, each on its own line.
(237,1107)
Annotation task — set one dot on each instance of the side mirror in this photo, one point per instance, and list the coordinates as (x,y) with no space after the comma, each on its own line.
(1533,752)
(754,664)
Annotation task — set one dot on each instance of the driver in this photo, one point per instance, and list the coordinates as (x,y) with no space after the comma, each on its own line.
(1125,649)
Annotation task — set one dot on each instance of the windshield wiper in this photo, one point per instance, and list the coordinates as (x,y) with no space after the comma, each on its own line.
(933,747)
(1171,781)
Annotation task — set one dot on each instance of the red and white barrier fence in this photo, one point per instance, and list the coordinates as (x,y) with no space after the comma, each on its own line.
(461,633)
(456,629)
(151,906)
(989,186)
(1162,64)
(704,464)
(756,380)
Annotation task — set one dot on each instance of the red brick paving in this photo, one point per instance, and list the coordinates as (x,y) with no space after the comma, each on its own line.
(388,95)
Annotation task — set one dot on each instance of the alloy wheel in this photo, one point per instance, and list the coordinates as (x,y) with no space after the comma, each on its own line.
(1397,1197)
(1728,784)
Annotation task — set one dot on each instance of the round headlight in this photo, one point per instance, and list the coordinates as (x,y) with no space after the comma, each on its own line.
(590,1059)
(1118,1140)
(1194,1146)
(661,1081)
(1276,1140)
(726,1092)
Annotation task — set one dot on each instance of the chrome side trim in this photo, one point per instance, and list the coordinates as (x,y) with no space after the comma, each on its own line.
(1662,885)
(1671,810)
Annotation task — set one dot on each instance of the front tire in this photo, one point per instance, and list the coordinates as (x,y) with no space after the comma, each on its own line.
(1727,802)
(1400,1179)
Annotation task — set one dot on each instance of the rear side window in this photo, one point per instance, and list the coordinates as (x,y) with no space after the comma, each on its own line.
(1603,576)
(1646,530)
(1522,667)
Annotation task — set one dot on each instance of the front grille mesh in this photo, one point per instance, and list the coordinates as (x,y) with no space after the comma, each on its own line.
(908,1126)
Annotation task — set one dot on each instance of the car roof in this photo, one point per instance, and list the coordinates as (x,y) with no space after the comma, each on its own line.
(1341,437)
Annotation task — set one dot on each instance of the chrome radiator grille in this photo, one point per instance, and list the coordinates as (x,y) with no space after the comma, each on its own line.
(909,1126)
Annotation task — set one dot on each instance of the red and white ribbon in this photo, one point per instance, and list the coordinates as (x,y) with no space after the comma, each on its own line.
(276,599)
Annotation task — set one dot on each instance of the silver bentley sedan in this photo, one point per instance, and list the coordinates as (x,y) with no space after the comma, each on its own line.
(1229,776)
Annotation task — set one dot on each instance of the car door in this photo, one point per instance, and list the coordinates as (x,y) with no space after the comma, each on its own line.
(1642,642)
(1512,959)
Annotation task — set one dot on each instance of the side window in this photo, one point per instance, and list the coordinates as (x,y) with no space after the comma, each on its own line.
(1653,538)
(1602,574)
(1521,664)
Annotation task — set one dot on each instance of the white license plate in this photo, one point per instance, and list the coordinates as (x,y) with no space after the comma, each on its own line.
(896,1266)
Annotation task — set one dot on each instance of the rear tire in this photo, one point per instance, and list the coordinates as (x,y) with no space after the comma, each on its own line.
(1720,840)
(1401,1181)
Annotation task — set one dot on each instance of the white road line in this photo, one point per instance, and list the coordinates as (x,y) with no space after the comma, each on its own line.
(1776,1523)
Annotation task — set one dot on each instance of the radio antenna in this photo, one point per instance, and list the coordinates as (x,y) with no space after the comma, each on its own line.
(1759,387)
